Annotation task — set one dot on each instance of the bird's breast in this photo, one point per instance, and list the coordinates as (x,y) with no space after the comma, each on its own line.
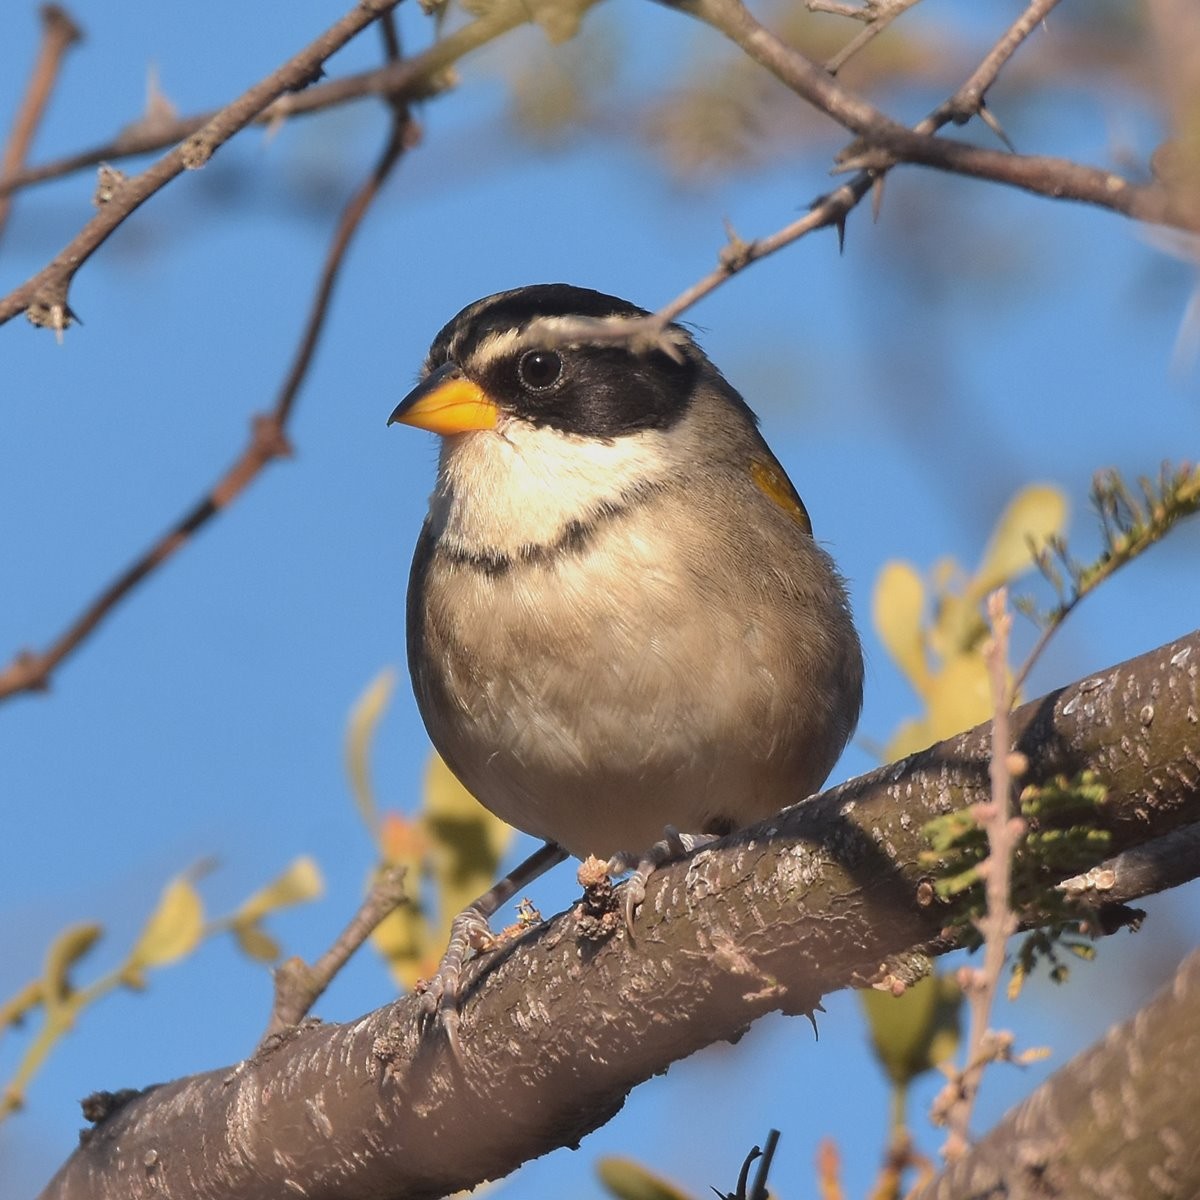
(593,695)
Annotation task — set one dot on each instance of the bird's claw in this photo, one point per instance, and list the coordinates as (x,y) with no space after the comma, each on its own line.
(671,846)
(438,995)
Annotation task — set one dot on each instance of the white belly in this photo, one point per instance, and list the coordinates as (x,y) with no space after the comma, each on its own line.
(594,714)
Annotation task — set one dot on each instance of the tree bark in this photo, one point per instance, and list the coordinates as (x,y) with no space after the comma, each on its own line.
(559,1026)
(1118,1122)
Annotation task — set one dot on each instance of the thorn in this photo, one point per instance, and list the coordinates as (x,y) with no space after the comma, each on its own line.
(812,1020)
(737,252)
(990,121)
(159,108)
(877,197)
(108,180)
(840,226)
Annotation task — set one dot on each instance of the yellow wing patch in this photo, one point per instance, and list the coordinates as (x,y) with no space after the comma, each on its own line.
(776,486)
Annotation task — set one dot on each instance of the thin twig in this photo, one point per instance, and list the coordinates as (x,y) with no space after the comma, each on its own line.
(831,209)
(758,1190)
(391,37)
(59,34)
(298,986)
(1180,496)
(965,103)
(877,20)
(415,78)
(44,296)
(31,671)
(999,921)
(1156,866)
(889,143)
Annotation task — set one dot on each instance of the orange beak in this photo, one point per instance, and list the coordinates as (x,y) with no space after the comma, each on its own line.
(447,402)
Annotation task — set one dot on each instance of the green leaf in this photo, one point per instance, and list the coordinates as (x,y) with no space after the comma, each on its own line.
(466,842)
(914,1032)
(299,883)
(898,607)
(173,930)
(363,721)
(629,1180)
(65,951)
(960,696)
(255,943)
(1035,514)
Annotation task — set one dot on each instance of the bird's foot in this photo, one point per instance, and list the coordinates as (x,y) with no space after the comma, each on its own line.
(439,993)
(470,931)
(672,846)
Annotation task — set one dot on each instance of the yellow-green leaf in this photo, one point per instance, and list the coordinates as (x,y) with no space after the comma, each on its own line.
(255,943)
(300,882)
(897,609)
(960,696)
(914,1032)
(958,626)
(360,733)
(466,841)
(910,736)
(629,1180)
(173,930)
(405,943)
(1034,514)
(403,938)
(65,951)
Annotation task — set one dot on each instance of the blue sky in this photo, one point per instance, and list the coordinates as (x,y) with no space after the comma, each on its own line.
(970,341)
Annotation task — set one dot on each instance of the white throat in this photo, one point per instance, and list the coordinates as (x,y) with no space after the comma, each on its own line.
(521,485)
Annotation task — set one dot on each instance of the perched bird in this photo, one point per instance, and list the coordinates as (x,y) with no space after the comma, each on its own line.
(618,619)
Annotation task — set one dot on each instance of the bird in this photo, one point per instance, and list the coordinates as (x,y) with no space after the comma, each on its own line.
(622,635)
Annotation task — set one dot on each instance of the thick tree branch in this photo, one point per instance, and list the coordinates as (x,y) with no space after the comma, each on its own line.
(1118,1121)
(557,1029)
(44,295)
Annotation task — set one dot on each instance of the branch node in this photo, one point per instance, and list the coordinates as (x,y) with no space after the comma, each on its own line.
(270,439)
(51,311)
(28,672)
(194,152)
(108,182)
(56,20)
(737,253)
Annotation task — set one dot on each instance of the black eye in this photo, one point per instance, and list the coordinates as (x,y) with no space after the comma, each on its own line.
(539,369)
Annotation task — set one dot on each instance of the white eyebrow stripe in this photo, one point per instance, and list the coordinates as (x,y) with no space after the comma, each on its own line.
(495,346)
(640,335)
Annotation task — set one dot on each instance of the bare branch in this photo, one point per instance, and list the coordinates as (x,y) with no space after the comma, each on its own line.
(557,1028)
(889,143)
(416,78)
(59,34)
(831,209)
(31,671)
(877,17)
(1141,871)
(998,922)
(298,986)
(1117,1120)
(44,296)
(966,102)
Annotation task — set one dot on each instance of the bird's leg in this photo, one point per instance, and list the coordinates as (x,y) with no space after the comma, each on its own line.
(470,931)
(673,845)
